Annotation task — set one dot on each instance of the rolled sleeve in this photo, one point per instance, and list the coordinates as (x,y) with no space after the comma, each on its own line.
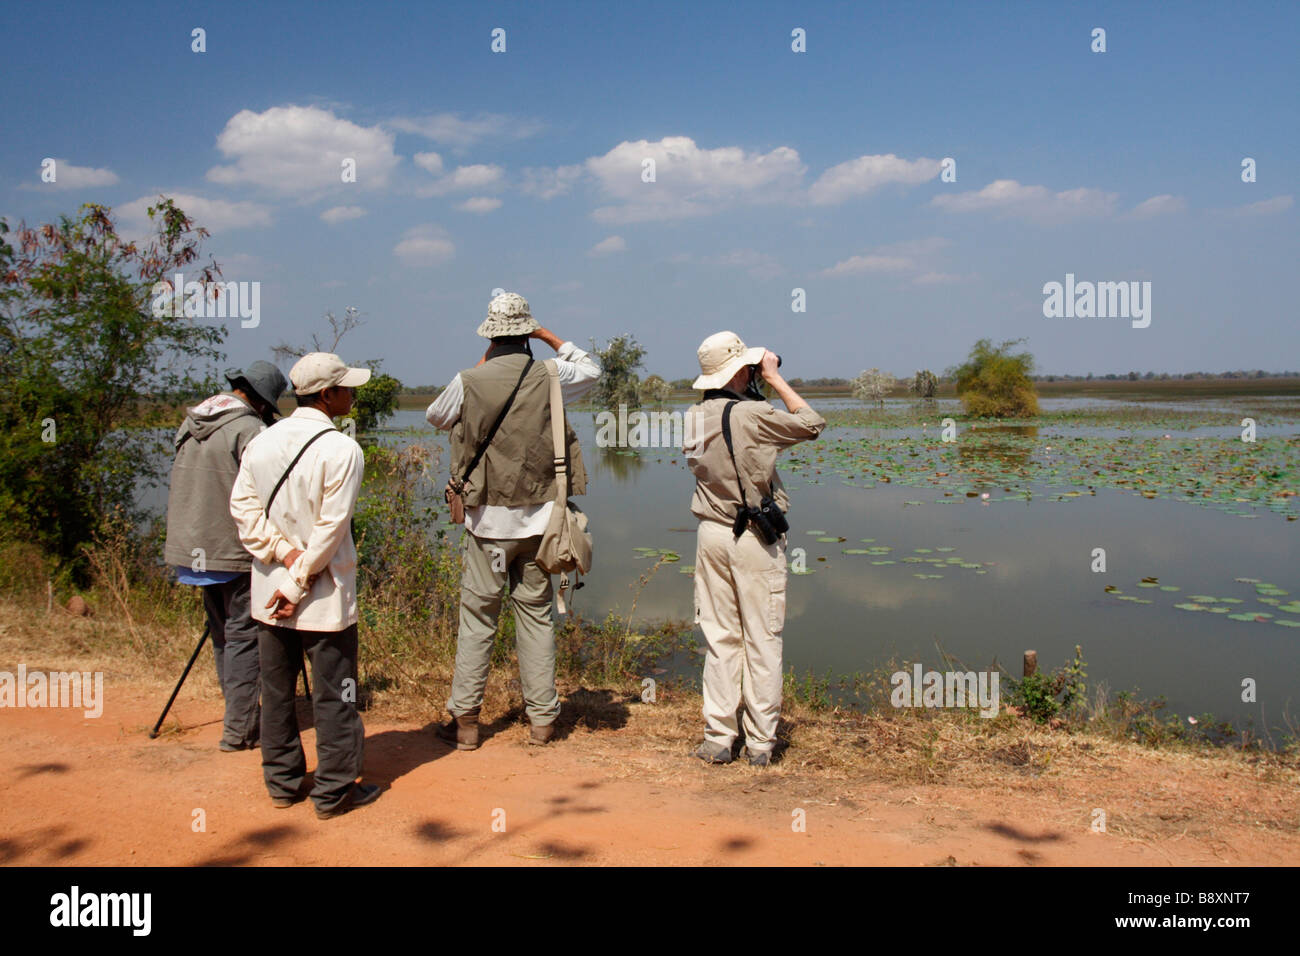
(445,410)
(773,426)
(578,371)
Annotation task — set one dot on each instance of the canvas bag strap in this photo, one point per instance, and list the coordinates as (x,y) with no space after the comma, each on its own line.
(561,473)
(487,439)
(301,451)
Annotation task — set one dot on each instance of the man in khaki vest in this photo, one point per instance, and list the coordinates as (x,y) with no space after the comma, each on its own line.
(740,578)
(508,498)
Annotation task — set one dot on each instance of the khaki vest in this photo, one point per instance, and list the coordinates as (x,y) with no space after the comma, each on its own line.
(518,468)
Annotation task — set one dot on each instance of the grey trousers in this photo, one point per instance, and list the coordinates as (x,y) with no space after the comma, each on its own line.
(234,645)
(489,564)
(340,734)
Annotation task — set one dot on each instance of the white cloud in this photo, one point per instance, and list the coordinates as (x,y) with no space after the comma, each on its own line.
(1267,207)
(869,263)
(68,176)
(689,181)
(424,246)
(300,150)
(608,246)
(915,256)
(859,176)
(546,182)
(430,162)
(1006,197)
(480,204)
(215,215)
(464,179)
(1161,205)
(340,214)
(454,130)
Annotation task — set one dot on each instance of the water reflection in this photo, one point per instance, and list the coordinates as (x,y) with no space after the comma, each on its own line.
(1009,445)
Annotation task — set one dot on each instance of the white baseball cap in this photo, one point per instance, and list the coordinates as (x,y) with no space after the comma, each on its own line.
(721,356)
(317,371)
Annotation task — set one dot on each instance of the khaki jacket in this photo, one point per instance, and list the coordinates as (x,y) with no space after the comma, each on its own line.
(518,468)
(758,432)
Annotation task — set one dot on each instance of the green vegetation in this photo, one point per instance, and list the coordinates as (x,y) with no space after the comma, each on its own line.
(619,382)
(80,352)
(995,383)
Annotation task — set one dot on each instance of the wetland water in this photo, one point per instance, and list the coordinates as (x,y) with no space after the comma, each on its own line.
(984,547)
(990,547)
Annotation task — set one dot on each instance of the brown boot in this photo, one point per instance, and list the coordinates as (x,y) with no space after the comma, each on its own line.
(461,731)
(541,734)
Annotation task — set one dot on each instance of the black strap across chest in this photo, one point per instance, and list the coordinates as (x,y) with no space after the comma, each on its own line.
(726,436)
(301,451)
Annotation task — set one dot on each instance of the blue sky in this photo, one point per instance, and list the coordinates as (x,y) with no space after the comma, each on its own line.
(775,170)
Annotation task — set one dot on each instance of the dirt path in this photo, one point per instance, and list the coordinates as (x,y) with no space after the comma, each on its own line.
(92,792)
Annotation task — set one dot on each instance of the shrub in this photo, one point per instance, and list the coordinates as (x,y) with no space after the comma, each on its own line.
(995,383)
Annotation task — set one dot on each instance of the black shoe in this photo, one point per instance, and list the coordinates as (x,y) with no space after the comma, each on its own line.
(360,795)
(284,803)
(230,748)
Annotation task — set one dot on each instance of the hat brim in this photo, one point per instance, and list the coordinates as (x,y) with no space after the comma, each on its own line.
(355,377)
(496,326)
(723,375)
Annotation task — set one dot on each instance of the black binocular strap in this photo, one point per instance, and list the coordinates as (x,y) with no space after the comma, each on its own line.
(276,490)
(726,436)
(487,440)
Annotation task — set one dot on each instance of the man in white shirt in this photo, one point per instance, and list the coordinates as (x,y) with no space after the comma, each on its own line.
(508,496)
(292,503)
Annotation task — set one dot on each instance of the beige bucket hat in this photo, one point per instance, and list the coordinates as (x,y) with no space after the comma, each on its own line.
(722,355)
(508,315)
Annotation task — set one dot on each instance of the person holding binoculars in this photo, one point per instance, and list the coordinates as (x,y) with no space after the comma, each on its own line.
(733,436)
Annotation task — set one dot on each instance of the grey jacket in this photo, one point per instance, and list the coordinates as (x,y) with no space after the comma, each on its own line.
(204,470)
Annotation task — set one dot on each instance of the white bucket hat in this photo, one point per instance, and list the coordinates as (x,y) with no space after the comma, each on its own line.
(317,371)
(508,315)
(722,355)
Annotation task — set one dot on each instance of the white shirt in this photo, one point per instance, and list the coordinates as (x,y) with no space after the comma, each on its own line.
(312,512)
(578,372)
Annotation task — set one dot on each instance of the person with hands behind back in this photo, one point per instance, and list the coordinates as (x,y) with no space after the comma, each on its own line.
(293,502)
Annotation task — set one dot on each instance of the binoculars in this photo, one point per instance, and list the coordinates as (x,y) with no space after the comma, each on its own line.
(754,389)
(768,521)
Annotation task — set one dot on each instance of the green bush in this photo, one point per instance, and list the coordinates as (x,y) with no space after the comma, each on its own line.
(994,382)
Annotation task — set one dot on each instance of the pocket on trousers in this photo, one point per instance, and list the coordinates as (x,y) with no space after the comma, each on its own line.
(776,579)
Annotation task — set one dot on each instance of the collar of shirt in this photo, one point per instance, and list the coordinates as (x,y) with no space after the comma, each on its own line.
(312,415)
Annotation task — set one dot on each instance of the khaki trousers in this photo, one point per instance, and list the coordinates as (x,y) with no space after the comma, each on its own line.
(489,564)
(740,607)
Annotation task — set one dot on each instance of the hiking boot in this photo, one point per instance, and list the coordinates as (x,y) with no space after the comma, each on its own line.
(712,753)
(284,803)
(541,734)
(461,731)
(759,758)
(227,747)
(360,795)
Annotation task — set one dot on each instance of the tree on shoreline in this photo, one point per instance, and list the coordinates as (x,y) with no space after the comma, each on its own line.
(91,370)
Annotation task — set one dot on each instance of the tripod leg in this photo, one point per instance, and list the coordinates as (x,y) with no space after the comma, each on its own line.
(170,700)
